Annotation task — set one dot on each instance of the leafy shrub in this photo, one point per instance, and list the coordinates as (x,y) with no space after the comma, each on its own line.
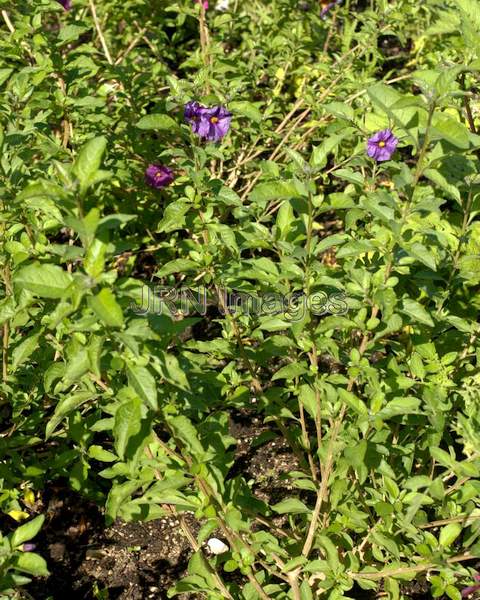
(363,355)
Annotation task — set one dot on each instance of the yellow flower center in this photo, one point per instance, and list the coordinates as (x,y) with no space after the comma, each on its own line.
(214,120)
(381,144)
(157,175)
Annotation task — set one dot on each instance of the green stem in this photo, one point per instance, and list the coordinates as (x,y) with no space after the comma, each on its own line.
(461,241)
(308,245)
(424,148)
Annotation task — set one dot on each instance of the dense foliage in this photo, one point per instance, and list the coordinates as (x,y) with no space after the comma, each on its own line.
(353,332)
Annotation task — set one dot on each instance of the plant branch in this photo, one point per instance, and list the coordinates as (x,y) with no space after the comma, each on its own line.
(98,27)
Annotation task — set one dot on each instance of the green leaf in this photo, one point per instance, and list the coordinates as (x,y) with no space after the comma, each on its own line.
(127,424)
(178,265)
(88,162)
(22,352)
(441,181)
(308,398)
(443,458)
(32,563)
(421,253)
(4,75)
(355,248)
(447,128)
(353,401)
(197,565)
(386,97)
(99,453)
(306,591)
(64,407)
(349,175)
(143,382)
(27,531)
(284,220)
(416,311)
(340,110)
(106,308)
(173,217)
(246,109)
(158,122)
(186,432)
(400,406)
(290,505)
(170,369)
(70,33)
(449,534)
(94,261)
(337,239)
(46,281)
(290,371)
(117,496)
(230,566)
(319,155)
(275,190)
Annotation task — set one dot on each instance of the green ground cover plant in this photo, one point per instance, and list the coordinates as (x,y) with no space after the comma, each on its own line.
(322,159)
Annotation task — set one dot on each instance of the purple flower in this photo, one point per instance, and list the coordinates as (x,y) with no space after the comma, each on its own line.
(192,114)
(158,176)
(327,7)
(67,4)
(471,589)
(208,123)
(204,3)
(29,547)
(214,123)
(382,145)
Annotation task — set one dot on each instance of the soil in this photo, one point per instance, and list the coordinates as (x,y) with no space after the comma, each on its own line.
(140,561)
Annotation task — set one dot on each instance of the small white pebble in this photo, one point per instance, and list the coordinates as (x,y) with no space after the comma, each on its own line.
(216,546)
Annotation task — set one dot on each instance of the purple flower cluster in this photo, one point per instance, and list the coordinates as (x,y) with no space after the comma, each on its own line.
(67,4)
(211,124)
(382,145)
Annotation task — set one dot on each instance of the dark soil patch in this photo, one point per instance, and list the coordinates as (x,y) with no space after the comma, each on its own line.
(140,561)
(133,561)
